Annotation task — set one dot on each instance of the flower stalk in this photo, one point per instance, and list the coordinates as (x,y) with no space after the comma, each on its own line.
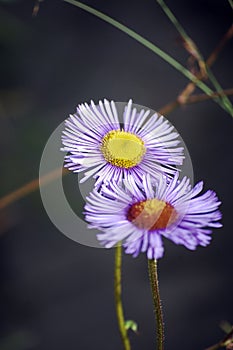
(154,282)
(118,299)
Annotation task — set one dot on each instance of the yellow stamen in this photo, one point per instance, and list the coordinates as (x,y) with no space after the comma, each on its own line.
(122,149)
(152,214)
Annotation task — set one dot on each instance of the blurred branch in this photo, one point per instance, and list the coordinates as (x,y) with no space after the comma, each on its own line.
(30,187)
(36,8)
(190,87)
(192,99)
(210,61)
(195,53)
(227,341)
(214,55)
(154,48)
(204,97)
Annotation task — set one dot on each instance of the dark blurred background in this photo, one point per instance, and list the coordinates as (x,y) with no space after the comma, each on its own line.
(55,293)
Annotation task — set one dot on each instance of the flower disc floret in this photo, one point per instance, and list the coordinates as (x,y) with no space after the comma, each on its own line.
(152,214)
(122,149)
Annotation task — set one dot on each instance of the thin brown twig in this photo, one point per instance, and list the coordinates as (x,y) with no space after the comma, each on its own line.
(194,99)
(209,62)
(214,55)
(223,342)
(171,106)
(190,87)
(204,97)
(36,8)
(30,187)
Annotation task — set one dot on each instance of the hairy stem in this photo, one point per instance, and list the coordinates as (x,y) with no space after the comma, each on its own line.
(118,300)
(154,282)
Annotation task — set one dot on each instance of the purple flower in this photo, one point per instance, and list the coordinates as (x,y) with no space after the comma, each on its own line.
(139,216)
(100,146)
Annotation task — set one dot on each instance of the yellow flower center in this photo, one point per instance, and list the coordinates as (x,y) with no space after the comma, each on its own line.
(152,214)
(122,149)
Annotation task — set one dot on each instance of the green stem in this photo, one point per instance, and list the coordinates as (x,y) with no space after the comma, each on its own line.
(154,282)
(118,300)
(166,57)
(197,54)
(231,3)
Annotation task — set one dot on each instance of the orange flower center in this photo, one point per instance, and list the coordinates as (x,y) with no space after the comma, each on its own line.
(152,214)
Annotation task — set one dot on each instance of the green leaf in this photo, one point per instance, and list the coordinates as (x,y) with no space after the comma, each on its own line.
(130,324)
